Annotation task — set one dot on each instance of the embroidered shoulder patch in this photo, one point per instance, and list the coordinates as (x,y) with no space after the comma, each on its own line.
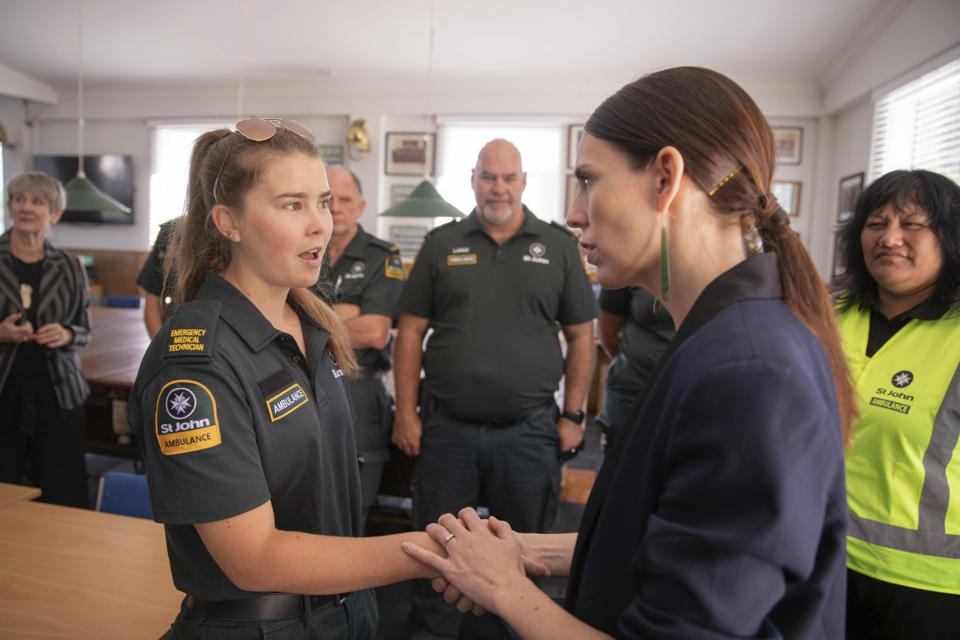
(393,266)
(186,418)
(286,402)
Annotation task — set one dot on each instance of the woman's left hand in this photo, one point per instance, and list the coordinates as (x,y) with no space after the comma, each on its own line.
(483,558)
(53,335)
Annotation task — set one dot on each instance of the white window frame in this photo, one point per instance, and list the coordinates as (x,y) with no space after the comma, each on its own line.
(916,123)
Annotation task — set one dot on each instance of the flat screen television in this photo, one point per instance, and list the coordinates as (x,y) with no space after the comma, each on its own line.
(111,172)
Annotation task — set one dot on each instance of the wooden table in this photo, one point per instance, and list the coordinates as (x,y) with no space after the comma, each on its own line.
(117,344)
(73,573)
(11,493)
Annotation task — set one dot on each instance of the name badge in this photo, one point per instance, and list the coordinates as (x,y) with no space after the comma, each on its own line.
(286,402)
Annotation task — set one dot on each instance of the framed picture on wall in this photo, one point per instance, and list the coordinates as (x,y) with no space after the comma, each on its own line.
(571,193)
(408,238)
(787,193)
(399,192)
(788,142)
(850,188)
(574,133)
(837,268)
(409,153)
(332,154)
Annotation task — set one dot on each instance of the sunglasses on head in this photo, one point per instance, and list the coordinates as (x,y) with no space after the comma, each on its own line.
(260,129)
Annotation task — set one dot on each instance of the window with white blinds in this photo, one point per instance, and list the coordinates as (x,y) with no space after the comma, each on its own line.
(917,126)
(541,151)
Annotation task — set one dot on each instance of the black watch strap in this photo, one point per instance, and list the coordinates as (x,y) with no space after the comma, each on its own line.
(573,416)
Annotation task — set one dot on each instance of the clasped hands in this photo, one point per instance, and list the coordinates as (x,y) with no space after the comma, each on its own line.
(53,335)
(485,560)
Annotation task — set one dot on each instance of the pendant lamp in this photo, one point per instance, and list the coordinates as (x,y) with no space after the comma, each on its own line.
(425,201)
(82,194)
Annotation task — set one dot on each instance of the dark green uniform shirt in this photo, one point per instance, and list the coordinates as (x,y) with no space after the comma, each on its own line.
(495,312)
(228,415)
(644,335)
(369,274)
(151,276)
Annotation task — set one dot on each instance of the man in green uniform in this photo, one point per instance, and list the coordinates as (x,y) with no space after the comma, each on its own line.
(496,289)
(367,276)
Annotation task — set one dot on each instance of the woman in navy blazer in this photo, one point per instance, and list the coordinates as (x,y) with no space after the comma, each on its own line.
(44,318)
(720,511)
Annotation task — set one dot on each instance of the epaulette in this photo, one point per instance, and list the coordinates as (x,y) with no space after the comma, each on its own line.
(570,232)
(190,332)
(390,247)
(443,226)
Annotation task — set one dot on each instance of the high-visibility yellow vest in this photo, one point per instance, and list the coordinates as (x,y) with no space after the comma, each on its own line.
(903,467)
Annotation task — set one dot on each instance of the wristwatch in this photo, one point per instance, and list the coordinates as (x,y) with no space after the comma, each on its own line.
(574,416)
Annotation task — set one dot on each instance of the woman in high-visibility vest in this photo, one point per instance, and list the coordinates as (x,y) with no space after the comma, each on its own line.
(900,325)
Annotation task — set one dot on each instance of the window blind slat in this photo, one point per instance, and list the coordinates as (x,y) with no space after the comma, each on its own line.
(917,126)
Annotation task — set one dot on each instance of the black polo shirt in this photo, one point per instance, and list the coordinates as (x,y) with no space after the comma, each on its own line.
(369,274)
(883,328)
(495,311)
(229,414)
(151,276)
(645,333)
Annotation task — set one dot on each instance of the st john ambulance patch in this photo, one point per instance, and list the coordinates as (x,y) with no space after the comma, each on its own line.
(286,402)
(186,418)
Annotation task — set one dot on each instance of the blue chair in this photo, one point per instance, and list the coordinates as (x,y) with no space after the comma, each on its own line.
(125,494)
(122,300)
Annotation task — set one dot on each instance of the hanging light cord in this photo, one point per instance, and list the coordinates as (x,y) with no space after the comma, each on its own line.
(240,74)
(80,122)
(429,123)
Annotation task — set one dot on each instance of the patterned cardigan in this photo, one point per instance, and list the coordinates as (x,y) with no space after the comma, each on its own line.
(63,297)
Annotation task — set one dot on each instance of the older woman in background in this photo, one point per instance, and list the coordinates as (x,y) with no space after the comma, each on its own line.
(901,333)
(43,319)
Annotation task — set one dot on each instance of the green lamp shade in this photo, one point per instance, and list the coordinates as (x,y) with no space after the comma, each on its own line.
(423,202)
(83,195)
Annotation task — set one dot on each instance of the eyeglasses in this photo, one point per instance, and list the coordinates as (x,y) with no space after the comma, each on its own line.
(259,130)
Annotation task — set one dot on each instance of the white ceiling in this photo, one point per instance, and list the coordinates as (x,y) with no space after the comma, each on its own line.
(176,41)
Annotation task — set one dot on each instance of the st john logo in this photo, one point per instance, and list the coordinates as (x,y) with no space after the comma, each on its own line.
(535,253)
(902,379)
(186,418)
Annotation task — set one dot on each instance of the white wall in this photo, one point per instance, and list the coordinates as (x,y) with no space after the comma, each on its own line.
(13,117)
(117,121)
(836,116)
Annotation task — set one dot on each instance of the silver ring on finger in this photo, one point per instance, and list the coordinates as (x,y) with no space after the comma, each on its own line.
(447,538)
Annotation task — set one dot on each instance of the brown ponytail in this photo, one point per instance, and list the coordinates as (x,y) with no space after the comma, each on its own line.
(223,167)
(728,151)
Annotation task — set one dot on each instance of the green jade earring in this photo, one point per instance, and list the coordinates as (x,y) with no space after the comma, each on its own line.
(664,270)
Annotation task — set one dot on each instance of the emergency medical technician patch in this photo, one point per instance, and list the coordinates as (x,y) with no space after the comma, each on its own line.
(286,402)
(186,418)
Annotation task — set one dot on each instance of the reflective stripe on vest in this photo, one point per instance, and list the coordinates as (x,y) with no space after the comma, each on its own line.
(903,467)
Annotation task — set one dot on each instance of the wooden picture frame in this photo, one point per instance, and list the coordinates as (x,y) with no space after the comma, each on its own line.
(788,142)
(850,188)
(787,193)
(574,133)
(409,153)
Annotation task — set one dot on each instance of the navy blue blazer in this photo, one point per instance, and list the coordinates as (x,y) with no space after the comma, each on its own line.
(721,512)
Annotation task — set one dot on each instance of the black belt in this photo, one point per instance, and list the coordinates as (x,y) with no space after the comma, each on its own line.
(503,422)
(269,606)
